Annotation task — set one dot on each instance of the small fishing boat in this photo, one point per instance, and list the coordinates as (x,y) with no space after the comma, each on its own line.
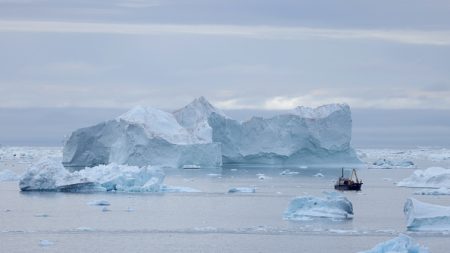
(348,184)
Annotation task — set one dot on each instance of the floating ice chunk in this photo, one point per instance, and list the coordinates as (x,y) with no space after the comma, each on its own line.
(289,172)
(41,215)
(261,176)
(434,177)
(45,243)
(105,209)
(400,244)
(242,190)
(334,205)
(440,191)
(388,164)
(84,229)
(101,202)
(168,188)
(319,175)
(426,217)
(50,175)
(8,175)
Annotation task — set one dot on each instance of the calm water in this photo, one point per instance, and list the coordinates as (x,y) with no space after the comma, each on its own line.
(212,220)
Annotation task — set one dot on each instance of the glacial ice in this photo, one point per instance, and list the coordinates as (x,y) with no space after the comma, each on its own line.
(433,177)
(50,175)
(8,175)
(400,244)
(426,217)
(383,163)
(201,135)
(334,206)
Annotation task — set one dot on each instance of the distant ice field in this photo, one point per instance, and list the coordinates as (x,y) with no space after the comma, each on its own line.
(214,220)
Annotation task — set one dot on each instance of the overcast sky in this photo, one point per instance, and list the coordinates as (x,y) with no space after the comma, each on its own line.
(256,54)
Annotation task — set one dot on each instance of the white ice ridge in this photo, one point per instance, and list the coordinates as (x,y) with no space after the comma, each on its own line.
(426,217)
(433,177)
(199,134)
(334,206)
(400,244)
(50,175)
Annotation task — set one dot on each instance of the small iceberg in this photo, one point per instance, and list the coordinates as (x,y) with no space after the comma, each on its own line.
(8,175)
(178,189)
(388,164)
(50,175)
(400,244)
(433,177)
(242,190)
(334,206)
(426,217)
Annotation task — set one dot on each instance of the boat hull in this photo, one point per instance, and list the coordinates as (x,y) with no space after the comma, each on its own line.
(352,187)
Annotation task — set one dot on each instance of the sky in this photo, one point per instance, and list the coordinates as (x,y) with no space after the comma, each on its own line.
(388,60)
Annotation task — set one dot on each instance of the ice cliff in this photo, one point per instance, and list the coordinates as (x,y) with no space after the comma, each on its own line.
(201,135)
(426,217)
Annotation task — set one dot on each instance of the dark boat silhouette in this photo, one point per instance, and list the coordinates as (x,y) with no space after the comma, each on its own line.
(348,184)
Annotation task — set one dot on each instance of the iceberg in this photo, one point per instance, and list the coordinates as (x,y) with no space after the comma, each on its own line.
(334,206)
(400,244)
(388,164)
(242,190)
(8,175)
(200,134)
(50,175)
(426,217)
(433,177)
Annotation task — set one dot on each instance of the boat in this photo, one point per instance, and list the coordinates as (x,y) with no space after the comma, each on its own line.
(348,184)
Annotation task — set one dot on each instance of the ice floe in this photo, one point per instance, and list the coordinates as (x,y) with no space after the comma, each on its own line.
(334,206)
(426,217)
(433,177)
(242,190)
(400,244)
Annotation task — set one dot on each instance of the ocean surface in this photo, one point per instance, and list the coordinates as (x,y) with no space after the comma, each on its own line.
(212,220)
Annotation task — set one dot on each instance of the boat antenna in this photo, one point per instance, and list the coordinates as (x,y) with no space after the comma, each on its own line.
(342,172)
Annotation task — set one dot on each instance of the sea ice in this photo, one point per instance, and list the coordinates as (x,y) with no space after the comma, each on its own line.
(440,191)
(242,190)
(433,177)
(101,202)
(8,175)
(400,244)
(426,217)
(334,206)
(50,175)
(388,164)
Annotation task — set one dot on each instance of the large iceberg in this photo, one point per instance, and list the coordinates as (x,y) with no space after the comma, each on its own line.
(400,244)
(201,135)
(50,175)
(334,206)
(433,177)
(426,217)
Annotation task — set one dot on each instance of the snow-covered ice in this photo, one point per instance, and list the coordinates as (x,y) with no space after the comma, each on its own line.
(242,190)
(50,175)
(8,175)
(334,206)
(400,244)
(201,134)
(433,177)
(426,217)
